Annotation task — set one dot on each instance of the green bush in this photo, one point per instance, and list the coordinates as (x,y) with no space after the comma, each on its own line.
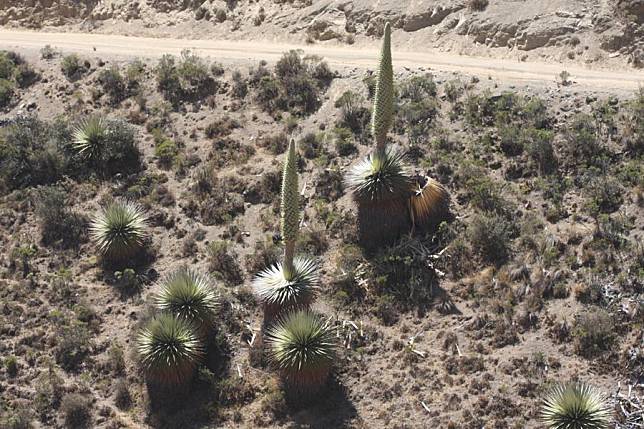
(582,142)
(14,72)
(7,66)
(344,145)
(240,86)
(539,147)
(477,5)
(418,88)
(25,75)
(18,419)
(312,145)
(58,221)
(73,345)
(73,68)
(6,92)
(296,85)
(32,152)
(165,149)
(185,79)
(511,140)
(417,118)
(355,115)
(593,332)
(113,84)
(224,261)
(275,143)
(11,365)
(120,152)
(490,236)
(604,193)
(76,410)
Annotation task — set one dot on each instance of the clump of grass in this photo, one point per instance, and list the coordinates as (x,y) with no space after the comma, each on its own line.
(170,350)
(189,295)
(575,406)
(302,347)
(119,231)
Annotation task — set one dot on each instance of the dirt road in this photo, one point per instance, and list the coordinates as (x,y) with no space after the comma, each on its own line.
(337,56)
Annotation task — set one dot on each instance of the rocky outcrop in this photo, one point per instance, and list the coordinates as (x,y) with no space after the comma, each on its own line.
(36,13)
(612,25)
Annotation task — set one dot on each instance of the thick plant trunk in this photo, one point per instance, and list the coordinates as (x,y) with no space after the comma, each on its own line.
(382,222)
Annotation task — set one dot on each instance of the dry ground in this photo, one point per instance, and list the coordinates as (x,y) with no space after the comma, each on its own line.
(550,291)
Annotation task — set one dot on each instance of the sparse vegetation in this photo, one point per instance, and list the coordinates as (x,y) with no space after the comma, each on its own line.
(537,212)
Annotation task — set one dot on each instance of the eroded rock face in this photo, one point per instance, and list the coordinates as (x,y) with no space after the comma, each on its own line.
(35,13)
(612,25)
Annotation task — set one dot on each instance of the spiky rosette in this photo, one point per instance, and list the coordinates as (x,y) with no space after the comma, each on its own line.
(190,296)
(119,230)
(575,406)
(279,294)
(429,202)
(89,137)
(302,347)
(380,176)
(170,350)
(383,110)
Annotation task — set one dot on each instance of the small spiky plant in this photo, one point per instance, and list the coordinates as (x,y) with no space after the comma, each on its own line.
(170,350)
(302,348)
(189,295)
(429,203)
(293,283)
(575,406)
(119,231)
(89,136)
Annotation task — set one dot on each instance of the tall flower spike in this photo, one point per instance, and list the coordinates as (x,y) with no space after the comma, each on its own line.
(383,110)
(290,207)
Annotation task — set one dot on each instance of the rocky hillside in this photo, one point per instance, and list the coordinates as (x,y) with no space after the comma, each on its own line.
(564,30)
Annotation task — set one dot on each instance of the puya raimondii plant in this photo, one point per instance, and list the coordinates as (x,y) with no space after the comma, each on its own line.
(291,284)
(189,295)
(575,406)
(119,231)
(390,201)
(302,347)
(170,349)
(381,182)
